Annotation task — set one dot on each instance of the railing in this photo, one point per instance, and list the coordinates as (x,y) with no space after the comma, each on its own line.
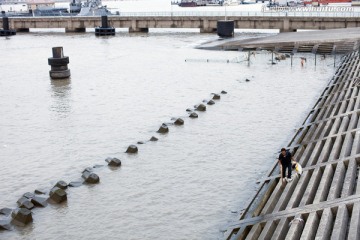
(240,14)
(222,14)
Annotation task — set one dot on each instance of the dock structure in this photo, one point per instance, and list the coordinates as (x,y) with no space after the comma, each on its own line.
(207,24)
(324,202)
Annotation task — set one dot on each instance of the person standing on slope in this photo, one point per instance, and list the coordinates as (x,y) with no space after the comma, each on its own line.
(284,160)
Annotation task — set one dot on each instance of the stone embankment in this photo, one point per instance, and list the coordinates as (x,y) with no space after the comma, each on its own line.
(324,202)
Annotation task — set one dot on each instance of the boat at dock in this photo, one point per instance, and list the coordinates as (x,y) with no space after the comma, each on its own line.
(76,8)
(201,3)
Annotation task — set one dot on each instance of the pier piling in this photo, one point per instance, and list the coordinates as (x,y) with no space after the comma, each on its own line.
(104,30)
(59,64)
(6,31)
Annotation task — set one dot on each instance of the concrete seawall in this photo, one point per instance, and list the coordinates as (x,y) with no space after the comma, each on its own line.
(324,202)
(206,24)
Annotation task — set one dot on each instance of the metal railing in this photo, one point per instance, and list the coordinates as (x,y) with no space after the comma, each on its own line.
(240,14)
(230,14)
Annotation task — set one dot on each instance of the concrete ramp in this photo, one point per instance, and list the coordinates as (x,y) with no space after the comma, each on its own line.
(324,202)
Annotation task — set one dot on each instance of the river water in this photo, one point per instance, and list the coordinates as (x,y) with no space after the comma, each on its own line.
(190,183)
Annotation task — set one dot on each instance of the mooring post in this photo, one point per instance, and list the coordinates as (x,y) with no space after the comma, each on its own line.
(272,57)
(6,28)
(104,21)
(105,29)
(6,23)
(59,64)
(249,54)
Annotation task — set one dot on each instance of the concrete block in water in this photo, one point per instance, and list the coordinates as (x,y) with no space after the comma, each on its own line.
(61,184)
(5,211)
(90,177)
(216,96)
(201,108)
(38,191)
(21,216)
(211,102)
(132,149)
(193,115)
(58,195)
(153,139)
(24,202)
(28,195)
(179,121)
(39,201)
(5,225)
(163,129)
(113,162)
(75,183)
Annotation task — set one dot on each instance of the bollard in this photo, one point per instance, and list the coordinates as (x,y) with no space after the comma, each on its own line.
(104,30)
(104,21)
(58,63)
(6,31)
(6,23)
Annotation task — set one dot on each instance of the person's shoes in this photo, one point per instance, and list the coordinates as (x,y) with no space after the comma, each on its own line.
(288,179)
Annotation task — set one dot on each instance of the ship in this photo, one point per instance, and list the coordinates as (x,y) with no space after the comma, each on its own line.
(76,8)
(199,3)
(93,8)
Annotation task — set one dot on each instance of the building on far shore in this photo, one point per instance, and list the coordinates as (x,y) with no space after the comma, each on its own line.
(25,5)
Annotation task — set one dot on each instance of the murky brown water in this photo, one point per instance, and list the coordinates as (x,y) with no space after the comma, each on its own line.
(191,182)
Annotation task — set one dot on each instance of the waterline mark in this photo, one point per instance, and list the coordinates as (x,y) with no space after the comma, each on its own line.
(333,9)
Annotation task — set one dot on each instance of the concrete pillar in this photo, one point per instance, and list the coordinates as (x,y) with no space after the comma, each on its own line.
(6,31)
(5,21)
(208,30)
(134,28)
(225,28)
(23,30)
(286,26)
(75,30)
(105,29)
